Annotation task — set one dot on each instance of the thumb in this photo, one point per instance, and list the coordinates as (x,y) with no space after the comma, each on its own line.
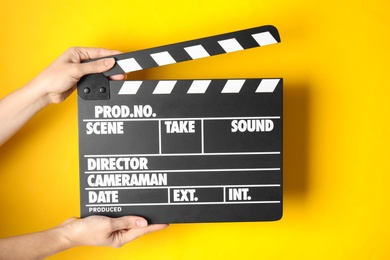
(98,66)
(128,222)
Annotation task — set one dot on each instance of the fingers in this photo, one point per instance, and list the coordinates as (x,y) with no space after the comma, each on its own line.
(101,230)
(94,53)
(135,227)
(155,227)
(96,66)
(82,53)
(118,77)
(100,66)
(75,55)
(128,222)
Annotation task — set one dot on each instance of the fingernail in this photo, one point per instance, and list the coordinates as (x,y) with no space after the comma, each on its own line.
(108,62)
(141,223)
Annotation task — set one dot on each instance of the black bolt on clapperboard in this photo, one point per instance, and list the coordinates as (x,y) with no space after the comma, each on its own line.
(177,151)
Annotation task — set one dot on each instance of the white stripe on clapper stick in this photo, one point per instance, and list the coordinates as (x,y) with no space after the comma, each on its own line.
(230,45)
(267,85)
(163,58)
(199,86)
(130,87)
(129,65)
(165,87)
(233,86)
(264,38)
(196,52)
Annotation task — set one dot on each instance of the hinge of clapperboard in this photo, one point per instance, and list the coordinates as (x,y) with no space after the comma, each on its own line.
(97,86)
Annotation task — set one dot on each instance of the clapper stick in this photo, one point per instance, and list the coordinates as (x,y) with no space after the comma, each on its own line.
(179,151)
(195,49)
(178,52)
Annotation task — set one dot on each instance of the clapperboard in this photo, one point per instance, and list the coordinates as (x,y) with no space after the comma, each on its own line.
(178,151)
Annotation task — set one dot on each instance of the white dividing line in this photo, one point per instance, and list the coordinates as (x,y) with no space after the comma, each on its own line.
(170,119)
(159,137)
(202,135)
(179,203)
(169,194)
(187,187)
(180,154)
(195,170)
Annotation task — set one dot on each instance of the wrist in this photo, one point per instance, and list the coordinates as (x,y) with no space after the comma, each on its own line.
(64,237)
(38,95)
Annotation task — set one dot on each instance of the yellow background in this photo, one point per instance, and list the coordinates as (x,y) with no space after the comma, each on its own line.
(334,58)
